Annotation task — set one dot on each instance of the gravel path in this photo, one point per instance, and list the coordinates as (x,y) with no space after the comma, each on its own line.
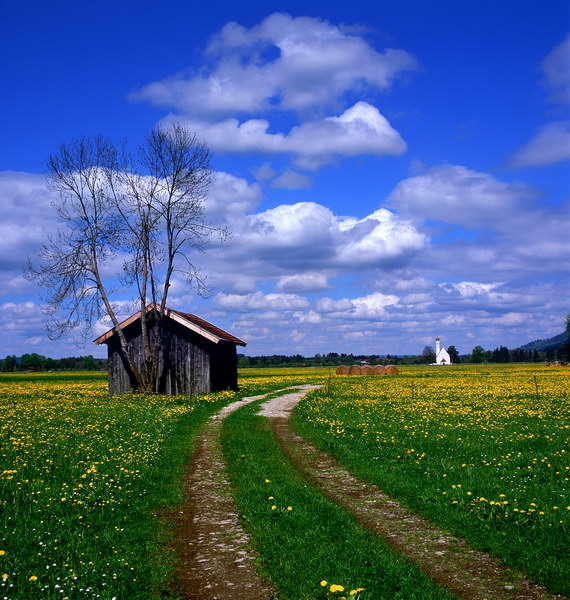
(214,559)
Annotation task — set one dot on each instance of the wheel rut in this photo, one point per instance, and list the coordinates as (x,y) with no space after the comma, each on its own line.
(448,560)
(215,561)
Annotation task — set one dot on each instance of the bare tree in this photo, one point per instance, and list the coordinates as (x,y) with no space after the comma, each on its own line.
(146,209)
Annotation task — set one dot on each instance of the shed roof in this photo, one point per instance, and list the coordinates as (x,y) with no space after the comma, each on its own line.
(188,320)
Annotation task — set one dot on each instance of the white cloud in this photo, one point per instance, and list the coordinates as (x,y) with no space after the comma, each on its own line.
(372,306)
(229,195)
(258,301)
(551,145)
(360,129)
(455,194)
(556,69)
(511,318)
(303,282)
(328,305)
(27,217)
(265,172)
(453,320)
(469,289)
(292,180)
(307,236)
(314,64)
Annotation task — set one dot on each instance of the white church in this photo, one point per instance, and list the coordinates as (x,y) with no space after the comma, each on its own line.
(441,355)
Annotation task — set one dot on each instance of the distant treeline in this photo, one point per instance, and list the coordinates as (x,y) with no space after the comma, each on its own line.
(37,362)
(502,354)
(427,356)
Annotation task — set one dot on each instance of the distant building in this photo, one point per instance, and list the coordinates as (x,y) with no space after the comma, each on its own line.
(441,354)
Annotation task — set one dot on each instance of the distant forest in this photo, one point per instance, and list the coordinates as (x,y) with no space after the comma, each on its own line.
(427,356)
(37,362)
(553,349)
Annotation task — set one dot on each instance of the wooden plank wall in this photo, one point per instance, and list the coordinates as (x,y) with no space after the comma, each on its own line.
(188,363)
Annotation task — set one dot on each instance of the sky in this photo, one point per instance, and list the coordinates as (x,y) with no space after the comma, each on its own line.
(390,171)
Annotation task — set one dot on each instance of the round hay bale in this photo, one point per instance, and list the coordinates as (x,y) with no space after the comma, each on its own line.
(342,370)
(391,370)
(379,370)
(354,370)
(366,370)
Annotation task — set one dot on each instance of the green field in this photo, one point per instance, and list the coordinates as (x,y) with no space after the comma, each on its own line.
(84,477)
(483,451)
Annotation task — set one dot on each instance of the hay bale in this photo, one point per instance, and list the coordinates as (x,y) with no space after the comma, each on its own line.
(366,370)
(379,370)
(342,370)
(354,370)
(391,370)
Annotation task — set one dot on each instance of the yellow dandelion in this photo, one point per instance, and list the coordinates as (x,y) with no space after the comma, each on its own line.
(336,588)
(289,508)
(324,583)
(33,578)
(5,576)
(2,552)
(273,507)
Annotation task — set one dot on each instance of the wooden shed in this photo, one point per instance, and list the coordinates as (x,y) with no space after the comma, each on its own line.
(195,357)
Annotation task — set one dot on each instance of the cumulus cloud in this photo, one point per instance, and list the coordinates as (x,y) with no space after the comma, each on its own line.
(455,194)
(281,63)
(307,236)
(361,129)
(470,289)
(372,306)
(229,196)
(303,282)
(258,301)
(328,305)
(26,217)
(550,145)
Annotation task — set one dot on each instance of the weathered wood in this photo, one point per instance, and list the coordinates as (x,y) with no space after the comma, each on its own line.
(188,363)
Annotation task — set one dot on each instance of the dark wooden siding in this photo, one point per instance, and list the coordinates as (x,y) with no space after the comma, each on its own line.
(188,363)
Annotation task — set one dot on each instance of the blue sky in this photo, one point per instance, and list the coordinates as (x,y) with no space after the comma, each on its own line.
(390,172)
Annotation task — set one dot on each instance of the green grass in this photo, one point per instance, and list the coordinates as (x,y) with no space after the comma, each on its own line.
(476,450)
(82,477)
(314,541)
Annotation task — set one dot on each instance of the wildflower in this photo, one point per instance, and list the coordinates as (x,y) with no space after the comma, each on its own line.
(5,576)
(2,552)
(33,578)
(273,507)
(289,508)
(268,481)
(336,588)
(270,498)
(324,583)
